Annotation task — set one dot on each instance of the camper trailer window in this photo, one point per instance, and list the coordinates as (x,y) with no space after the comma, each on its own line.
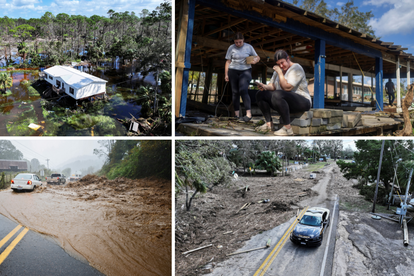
(50,77)
(58,83)
(71,91)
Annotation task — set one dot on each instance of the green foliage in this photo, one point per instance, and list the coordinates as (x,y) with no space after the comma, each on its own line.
(367,161)
(204,161)
(165,78)
(369,191)
(5,81)
(348,15)
(268,161)
(148,158)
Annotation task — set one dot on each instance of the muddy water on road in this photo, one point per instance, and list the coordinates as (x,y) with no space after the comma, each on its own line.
(119,234)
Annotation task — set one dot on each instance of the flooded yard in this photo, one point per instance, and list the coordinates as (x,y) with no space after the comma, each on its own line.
(121,226)
(24,106)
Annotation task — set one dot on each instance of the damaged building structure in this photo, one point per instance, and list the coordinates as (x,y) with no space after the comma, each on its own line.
(78,85)
(327,50)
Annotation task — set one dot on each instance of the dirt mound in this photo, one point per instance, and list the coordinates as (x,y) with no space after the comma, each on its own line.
(40,189)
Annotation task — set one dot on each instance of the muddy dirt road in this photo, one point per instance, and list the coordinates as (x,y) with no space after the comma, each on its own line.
(215,218)
(288,258)
(121,226)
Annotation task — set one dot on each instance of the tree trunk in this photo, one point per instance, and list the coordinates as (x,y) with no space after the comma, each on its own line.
(408,129)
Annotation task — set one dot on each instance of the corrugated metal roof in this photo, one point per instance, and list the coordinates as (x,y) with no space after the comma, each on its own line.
(73,77)
(5,164)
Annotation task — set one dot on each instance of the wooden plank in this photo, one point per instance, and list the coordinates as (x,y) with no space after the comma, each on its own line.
(180,55)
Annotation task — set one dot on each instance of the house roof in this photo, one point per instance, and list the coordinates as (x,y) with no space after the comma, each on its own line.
(73,77)
(272,24)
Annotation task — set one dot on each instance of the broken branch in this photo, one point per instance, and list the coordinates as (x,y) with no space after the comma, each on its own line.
(187,252)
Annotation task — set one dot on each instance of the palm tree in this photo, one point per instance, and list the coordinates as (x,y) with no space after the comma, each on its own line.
(5,81)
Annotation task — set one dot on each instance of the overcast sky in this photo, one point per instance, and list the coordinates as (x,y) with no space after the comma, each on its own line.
(36,8)
(57,150)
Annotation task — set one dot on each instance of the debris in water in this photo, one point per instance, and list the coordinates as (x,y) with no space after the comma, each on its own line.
(34,126)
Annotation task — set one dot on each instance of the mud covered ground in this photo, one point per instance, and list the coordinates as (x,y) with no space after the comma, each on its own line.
(121,226)
(215,217)
(365,246)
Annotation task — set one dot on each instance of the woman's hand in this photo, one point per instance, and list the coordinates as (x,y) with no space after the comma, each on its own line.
(260,86)
(256,60)
(277,69)
(226,78)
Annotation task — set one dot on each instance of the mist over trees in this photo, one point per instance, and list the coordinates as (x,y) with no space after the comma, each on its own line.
(9,151)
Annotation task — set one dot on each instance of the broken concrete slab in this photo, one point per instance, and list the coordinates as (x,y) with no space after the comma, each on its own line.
(335,126)
(300,130)
(327,113)
(377,121)
(316,122)
(353,119)
(301,122)
(335,120)
(345,121)
(316,130)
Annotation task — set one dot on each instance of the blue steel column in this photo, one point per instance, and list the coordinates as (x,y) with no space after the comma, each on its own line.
(379,105)
(319,83)
(187,64)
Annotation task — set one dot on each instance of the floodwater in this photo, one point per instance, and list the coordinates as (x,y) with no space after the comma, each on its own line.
(121,227)
(25,106)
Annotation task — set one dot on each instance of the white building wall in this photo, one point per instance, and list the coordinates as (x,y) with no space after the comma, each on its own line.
(90,90)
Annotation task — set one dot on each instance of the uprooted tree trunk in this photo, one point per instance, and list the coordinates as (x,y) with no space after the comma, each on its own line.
(408,129)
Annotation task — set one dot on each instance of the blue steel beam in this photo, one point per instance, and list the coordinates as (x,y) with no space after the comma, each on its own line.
(187,64)
(295,27)
(319,83)
(379,105)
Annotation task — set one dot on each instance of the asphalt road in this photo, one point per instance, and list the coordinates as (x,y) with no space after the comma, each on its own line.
(291,259)
(36,254)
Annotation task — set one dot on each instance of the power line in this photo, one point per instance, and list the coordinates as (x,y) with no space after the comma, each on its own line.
(29,149)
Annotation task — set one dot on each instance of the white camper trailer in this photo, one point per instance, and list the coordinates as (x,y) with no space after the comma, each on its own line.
(77,84)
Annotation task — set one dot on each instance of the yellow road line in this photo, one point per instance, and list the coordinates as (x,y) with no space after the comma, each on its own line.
(265,265)
(6,238)
(9,248)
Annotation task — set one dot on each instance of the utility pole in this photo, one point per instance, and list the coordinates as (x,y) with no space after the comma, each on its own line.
(47,160)
(378,176)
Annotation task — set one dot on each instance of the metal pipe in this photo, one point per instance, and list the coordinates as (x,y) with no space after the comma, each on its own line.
(408,187)
(392,188)
(405,232)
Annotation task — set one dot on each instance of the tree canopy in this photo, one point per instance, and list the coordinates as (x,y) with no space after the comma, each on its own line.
(367,161)
(136,159)
(9,151)
(62,37)
(347,15)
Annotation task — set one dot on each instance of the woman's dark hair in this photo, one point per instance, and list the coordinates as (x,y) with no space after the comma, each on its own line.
(281,54)
(238,35)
